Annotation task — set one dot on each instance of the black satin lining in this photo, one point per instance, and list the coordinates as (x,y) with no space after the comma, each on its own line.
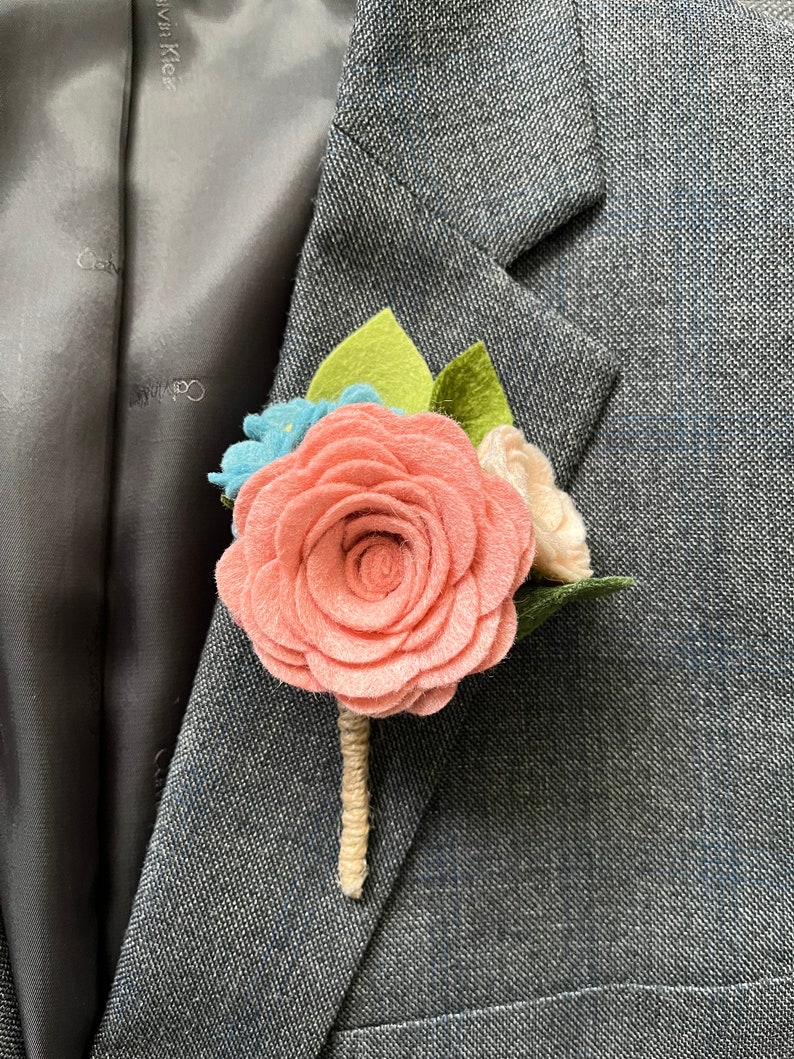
(156,178)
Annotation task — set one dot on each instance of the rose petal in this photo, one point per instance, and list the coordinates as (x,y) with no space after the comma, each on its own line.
(307,516)
(432,701)
(259,481)
(378,561)
(457,631)
(265,511)
(436,577)
(273,612)
(375,566)
(505,536)
(298,676)
(505,636)
(231,573)
(339,643)
(459,525)
(369,681)
(385,705)
(442,456)
(363,473)
(421,703)
(428,533)
(365,429)
(327,578)
(469,659)
(430,627)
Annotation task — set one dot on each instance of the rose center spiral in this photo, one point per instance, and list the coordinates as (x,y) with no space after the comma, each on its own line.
(375,565)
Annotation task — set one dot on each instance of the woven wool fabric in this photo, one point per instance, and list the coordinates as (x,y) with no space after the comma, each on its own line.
(11,1046)
(588,853)
(652,837)
(783,9)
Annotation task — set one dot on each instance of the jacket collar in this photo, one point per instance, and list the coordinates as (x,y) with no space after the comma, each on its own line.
(482,109)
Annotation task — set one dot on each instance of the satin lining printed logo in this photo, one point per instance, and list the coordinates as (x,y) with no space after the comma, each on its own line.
(89,260)
(169,48)
(175,390)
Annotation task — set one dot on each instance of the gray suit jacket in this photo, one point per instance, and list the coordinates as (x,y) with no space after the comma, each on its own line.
(589,852)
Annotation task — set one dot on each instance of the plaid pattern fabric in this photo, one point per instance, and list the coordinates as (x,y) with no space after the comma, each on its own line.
(589,852)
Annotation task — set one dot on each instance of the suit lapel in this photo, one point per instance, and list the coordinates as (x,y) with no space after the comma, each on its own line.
(240,942)
(481,108)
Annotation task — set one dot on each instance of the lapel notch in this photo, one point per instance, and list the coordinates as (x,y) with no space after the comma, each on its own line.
(482,109)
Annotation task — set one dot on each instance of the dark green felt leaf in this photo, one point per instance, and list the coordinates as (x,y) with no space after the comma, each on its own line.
(379,353)
(468,390)
(536,603)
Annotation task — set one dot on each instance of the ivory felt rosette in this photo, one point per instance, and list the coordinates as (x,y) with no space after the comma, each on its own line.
(394,534)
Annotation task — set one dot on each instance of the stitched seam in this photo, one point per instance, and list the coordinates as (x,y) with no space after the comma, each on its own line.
(606,359)
(414,193)
(616,988)
(589,94)
(433,210)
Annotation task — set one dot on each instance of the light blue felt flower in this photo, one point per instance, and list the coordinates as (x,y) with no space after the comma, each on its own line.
(276,431)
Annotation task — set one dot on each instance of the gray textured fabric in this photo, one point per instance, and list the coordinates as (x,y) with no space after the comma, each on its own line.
(381,246)
(782,9)
(463,106)
(157,166)
(11,1045)
(589,852)
(628,1020)
(640,757)
(252,795)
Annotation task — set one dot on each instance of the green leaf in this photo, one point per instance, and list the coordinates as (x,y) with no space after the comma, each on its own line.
(227,501)
(381,354)
(536,603)
(469,391)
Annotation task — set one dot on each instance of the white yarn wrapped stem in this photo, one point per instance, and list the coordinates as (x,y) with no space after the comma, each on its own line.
(354,743)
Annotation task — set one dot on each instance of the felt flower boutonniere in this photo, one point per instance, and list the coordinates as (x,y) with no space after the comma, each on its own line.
(394,534)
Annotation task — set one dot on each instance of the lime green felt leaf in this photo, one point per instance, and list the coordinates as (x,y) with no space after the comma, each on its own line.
(536,603)
(381,354)
(468,390)
(227,502)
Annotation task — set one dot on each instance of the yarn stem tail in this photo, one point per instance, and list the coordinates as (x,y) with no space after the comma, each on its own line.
(354,742)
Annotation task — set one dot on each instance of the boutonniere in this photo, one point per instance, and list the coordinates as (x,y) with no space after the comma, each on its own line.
(394,534)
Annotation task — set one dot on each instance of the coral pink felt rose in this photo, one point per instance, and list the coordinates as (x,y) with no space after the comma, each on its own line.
(378,561)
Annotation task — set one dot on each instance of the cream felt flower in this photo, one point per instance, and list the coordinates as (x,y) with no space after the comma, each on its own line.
(561,549)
